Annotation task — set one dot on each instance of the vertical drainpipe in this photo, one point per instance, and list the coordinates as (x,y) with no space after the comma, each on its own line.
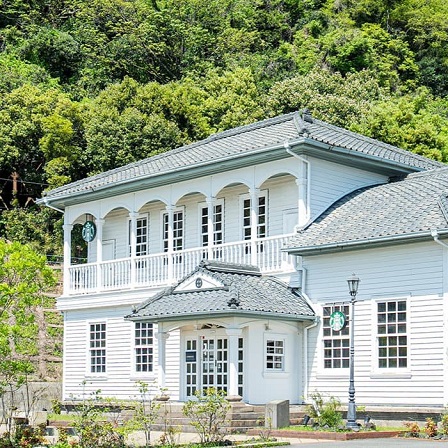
(303,203)
(303,209)
(435,235)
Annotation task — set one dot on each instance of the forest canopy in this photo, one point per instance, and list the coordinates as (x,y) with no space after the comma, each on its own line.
(87,86)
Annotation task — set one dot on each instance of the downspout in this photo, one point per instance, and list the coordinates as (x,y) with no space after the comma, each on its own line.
(303,204)
(435,235)
(305,357)
(51,206)
(304,186)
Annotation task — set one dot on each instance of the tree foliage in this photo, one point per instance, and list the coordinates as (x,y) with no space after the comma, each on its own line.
(24,278)
(91,85)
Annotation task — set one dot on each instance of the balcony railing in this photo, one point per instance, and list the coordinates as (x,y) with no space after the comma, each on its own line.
(166,268)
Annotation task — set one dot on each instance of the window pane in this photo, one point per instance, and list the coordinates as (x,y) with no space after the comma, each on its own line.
(392,349)
(333,341)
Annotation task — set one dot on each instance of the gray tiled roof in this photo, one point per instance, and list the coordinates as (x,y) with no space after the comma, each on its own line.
(412,208)
(247,140)
(245,287)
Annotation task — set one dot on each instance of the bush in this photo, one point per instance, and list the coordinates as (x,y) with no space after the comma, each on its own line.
(208,414)
(430,427)
(326,413)
(413,429)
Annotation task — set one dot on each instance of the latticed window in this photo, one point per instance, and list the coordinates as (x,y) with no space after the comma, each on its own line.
(178,230)
(336,343)
(97,349)
(144,343)
(218,224)
(240,366)
(392,334)
(262,217)
(275,354)
(141,236)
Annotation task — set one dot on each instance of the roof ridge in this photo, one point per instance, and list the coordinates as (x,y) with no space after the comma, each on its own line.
(372,140)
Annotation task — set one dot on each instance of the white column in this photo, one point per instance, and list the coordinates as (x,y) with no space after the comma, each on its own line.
(161,336)
(170,251)
(210,225)
(99,253)
(302,189)
(254,193)
(67,256)
(133,244)
(233,336)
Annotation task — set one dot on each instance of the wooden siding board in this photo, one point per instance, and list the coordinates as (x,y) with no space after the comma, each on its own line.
(326,283)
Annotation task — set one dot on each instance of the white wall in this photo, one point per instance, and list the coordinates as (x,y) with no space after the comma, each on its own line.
(414,272)
(330,181)
(262,386)
(120,379)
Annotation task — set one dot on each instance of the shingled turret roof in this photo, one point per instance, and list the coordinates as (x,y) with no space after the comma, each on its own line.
(402,211)
(300,131)
(225,289)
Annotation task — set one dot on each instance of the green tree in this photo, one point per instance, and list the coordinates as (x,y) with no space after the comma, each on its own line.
(24,279)
(37,126)
(330,96)
(208,413)
(410,122)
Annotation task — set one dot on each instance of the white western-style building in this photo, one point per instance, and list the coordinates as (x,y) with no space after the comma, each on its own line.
(219,264)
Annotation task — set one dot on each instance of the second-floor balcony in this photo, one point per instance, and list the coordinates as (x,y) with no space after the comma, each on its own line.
(164,269)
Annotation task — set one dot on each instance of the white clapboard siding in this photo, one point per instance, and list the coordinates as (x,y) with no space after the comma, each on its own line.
(120,381)
(413,272)
(172,360)
(330,181)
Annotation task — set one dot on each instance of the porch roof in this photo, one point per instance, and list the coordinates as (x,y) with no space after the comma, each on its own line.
(243,146)
(412,209)
(225,289)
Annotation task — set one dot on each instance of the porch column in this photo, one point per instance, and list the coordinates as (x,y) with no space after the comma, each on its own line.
(170,248)
(210,225)
(254,193)
(302,187)
(67,257)
(161,336)
(99,253)
(133,244)
(233,336)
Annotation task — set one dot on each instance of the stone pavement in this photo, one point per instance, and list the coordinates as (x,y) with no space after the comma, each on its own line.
(395,442)
(187,437)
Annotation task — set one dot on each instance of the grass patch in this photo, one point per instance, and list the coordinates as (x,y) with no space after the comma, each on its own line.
(61,417)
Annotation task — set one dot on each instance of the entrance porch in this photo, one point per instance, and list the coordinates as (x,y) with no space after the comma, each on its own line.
(240,332)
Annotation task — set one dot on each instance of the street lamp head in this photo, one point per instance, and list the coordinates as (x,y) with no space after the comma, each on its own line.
(353,283)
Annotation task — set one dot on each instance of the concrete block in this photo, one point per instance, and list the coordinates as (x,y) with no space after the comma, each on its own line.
(277,413)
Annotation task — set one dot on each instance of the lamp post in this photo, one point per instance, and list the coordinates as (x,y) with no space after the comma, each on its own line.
(353,283)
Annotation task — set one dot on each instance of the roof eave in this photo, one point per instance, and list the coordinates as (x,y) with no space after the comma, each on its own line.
(221,314)
(180,174)
(364,243)
(301,145)
(355,158)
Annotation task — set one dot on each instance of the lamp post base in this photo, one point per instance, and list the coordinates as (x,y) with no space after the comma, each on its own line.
(351,417)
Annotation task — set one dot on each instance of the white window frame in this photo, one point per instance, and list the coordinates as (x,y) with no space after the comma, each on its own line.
(247,226)
(203,206)
(138,251)
(148,346)
(91,349)
(390,372)
(275,356)
(342,336)
(384,330)
(165,237)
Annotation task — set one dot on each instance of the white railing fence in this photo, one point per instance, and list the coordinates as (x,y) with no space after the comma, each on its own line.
(166,268)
